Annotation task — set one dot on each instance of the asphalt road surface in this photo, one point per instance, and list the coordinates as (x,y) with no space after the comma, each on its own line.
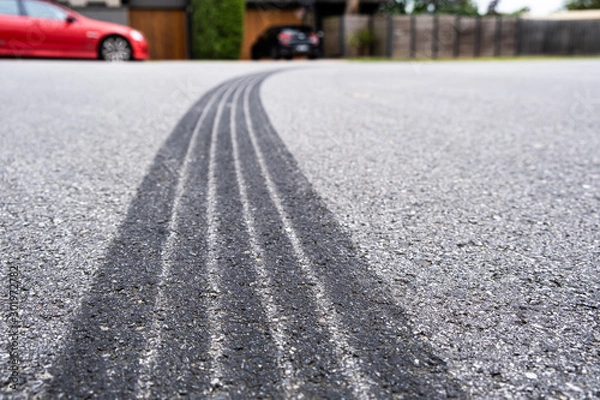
(300,230)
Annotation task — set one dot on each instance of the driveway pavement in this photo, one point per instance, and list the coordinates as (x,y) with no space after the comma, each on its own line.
(301,229)
(472,190)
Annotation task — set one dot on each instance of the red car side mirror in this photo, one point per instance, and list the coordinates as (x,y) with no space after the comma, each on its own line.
(70,19)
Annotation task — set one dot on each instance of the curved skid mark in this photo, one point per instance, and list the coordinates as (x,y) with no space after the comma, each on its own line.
(277,327)
(101,353)
(154,336)
(361,384)
(226,214)
(215,308)
(376,326)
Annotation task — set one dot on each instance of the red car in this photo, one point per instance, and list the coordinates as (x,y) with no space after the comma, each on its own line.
(39,28)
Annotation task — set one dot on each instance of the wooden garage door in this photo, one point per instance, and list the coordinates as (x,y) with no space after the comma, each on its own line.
(165,31)
(256,21)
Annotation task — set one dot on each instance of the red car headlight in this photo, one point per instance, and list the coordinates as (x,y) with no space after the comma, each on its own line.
(136,35)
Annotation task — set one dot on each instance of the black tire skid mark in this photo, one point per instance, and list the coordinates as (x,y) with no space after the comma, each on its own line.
(314,358)
(101,354)
(250,368)
(377,327)
(183,363)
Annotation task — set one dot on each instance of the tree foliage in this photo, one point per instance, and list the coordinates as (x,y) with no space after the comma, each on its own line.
(394,7)
(519,12)
(583,4)
(218,28)
(460,7)
(492,7)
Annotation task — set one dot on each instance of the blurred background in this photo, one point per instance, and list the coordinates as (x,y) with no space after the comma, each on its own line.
(226,29)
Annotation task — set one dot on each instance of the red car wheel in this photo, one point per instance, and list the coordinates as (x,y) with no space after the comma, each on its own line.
(115,48)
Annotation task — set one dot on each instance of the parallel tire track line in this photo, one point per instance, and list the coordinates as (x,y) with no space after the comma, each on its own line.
(248,348)
(276,324)
(101,353)
(361,385)
(394,359)
(309,348)
(215,308)
(154,336)
(230,278)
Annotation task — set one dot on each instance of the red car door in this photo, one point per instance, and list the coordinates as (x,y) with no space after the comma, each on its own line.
(14,29)
(57,36)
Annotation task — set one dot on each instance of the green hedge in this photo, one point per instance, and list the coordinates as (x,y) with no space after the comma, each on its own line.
(217,28)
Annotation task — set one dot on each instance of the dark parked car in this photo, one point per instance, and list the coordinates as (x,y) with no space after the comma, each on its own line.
(287,41)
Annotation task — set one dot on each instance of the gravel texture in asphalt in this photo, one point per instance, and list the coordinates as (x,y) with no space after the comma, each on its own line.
(473,190)
(375,230)
(229,277)
(76,140)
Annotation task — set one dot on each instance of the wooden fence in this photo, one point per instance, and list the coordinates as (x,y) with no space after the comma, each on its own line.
(165,31)
(446,36)
(560,37)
